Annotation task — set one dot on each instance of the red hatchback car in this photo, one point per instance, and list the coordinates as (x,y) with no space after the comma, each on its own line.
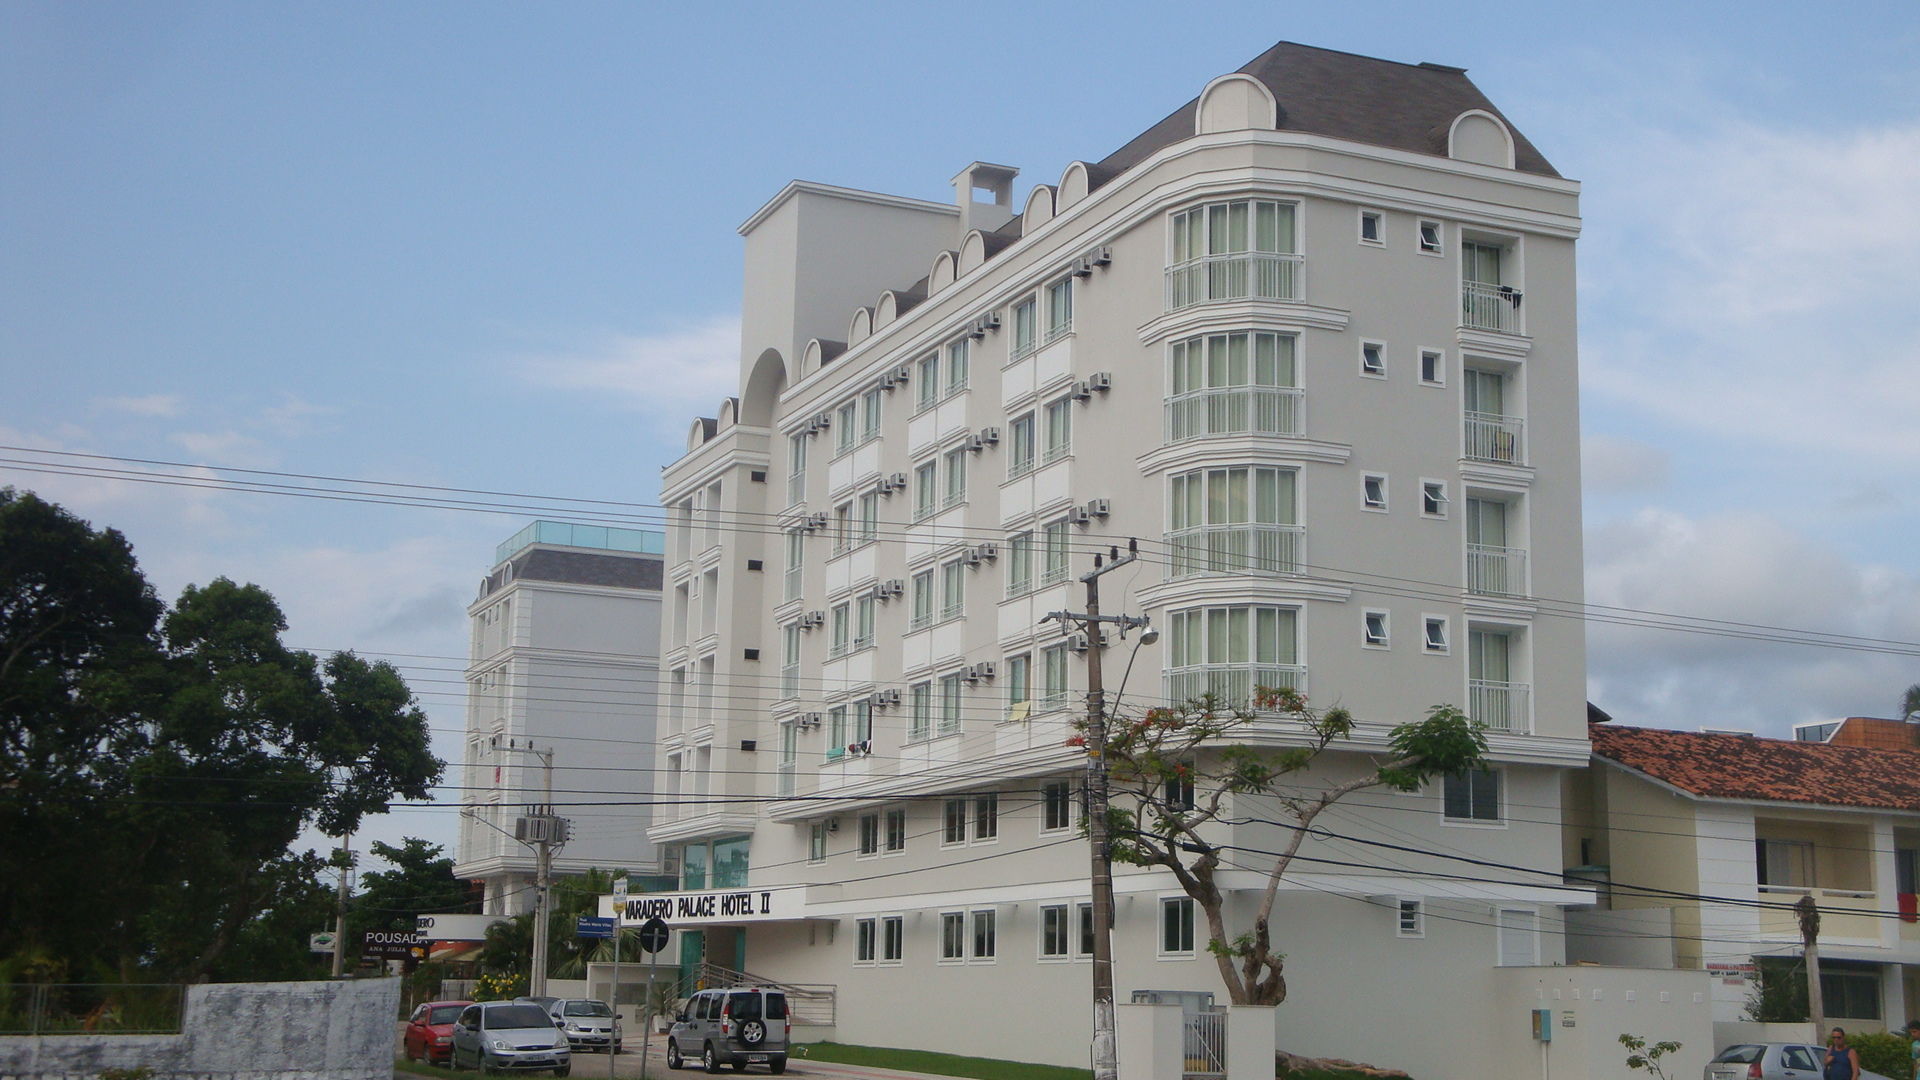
(430,1031)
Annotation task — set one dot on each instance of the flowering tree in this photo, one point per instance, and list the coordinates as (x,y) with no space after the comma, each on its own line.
(1174,773)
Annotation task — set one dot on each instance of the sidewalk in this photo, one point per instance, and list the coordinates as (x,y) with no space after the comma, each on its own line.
(627,1066)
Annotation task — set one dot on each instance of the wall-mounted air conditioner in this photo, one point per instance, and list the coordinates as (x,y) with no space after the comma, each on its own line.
(1099,507)
(813,619)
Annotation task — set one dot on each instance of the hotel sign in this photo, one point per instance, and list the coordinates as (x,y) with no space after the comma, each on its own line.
(716,907)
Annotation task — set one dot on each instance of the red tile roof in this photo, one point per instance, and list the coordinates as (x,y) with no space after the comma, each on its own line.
(1774,770)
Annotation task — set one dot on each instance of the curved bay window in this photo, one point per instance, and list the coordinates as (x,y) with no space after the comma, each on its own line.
(1240,250)
(1234,521)
(1242,383)
(1228,651)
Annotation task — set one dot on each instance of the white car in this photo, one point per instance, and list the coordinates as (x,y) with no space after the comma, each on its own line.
(498,1036)
(589,1024)
(1772,1061)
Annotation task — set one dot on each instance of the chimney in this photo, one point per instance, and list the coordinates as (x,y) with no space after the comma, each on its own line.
(994,184)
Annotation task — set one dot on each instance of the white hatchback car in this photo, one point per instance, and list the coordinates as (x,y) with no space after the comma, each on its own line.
(589,1024)
(1772,1061)
(500,1036)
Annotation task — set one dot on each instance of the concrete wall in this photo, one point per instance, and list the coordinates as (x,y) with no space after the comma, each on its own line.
(1592,1007)
(237,1031)
(1637,937)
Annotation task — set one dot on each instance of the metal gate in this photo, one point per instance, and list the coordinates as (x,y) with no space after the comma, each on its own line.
(1204,1039)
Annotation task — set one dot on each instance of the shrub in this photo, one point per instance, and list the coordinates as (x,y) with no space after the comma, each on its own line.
(1881,1052)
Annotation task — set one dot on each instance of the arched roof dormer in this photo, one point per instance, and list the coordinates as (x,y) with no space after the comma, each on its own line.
(860,327)
(1235,102)
(702,429)
(1478,135)
(978,247)
(1040,208)
(728,414)
(945,271)
(820,352)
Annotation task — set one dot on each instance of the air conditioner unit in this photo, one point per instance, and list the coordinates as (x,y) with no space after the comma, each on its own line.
(983,669)
(1083,268)
(989,436)
(1078,515)
(1078,642)
(1099,507)
(972,557)
(1101,381)
(891,589)
(901,374)
(1101,256)
(973,445)
(813,619)
(886,699)
(1080,391)
(989,321)
(810,720)
(814,522)
(887,485)
(822,421)
(988,550)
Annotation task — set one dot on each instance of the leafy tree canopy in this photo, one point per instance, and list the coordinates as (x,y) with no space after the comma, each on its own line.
(156,765)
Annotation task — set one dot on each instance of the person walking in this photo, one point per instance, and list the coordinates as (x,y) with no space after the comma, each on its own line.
(1843,1061)
(1913,1047)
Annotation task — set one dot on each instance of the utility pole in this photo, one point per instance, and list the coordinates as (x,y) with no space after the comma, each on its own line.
(1105,1047)
(340,910)
(543,831)
(1809,913)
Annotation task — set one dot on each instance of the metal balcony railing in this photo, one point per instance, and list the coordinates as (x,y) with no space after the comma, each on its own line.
(1236,549)
(1496,438)
(1490,307)
(1232,684)
(1499,706)
(1236,410)
(1239,276)
(1496,571)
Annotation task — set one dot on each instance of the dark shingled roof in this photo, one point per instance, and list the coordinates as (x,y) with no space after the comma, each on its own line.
(588,568)
(1774,770)
(1345,96)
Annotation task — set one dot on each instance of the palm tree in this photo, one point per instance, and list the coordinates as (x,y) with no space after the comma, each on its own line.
(1910,703)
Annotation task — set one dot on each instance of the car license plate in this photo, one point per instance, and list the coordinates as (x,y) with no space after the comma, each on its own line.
(757,1059)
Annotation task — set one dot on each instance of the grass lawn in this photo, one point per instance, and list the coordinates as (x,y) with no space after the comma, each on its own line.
(938,1064)
(403,1067)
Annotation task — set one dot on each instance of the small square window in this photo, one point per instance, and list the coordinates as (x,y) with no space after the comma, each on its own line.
(1436,634)
(1373,491)
(1373,358)
(1430,238)
(1371,229)
(1375,629)
(1413,919)
(1472,796)
(1433,498)
(1176,926)
(1433,367)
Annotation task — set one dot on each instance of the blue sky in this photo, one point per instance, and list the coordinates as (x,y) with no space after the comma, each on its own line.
(492,245)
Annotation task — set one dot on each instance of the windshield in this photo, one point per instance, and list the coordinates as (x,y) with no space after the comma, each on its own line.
(1740,1055)
(514,1016)
(445,1014)
(587,1008)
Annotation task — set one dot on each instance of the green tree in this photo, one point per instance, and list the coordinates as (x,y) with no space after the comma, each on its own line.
(420,881)
(509,944)
(1182,777)
(1910,703)
(156,768)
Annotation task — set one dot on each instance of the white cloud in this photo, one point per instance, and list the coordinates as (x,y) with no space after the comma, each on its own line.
(671,376)
(1609,463)
(222,447)
(160,405)
(1753,570)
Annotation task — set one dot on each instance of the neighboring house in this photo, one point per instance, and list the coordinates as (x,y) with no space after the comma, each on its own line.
(1279,337)
(1701,840)
(564,656)
(1862,731)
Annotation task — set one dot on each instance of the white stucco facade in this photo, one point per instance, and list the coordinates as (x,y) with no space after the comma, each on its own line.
(1330,385)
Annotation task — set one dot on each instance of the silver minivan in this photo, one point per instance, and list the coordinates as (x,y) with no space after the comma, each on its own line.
(739,1026)
(496,1036)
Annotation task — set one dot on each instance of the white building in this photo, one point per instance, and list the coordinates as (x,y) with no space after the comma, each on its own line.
(1311,339)
(565,655)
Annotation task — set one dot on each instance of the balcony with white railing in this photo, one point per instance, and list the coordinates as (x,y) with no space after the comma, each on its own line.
(1499,706)
(1236,549)
(1236,410)
(1490,307)
(1496,571)
(1231,684)
(1495,438)
(1245,275)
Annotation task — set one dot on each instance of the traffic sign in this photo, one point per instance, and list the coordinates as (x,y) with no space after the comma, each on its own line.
(653,934)
(619,888)
(592,927)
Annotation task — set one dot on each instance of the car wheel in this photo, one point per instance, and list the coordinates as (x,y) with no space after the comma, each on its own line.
(753,1033)
(709,1059)
(563,1069)
(777,1066)
(674,1060)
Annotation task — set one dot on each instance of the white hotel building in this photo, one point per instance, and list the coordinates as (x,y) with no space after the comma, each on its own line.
(1311,339)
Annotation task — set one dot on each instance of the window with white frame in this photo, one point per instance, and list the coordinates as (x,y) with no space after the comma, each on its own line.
(923,600)
(863,623)
(1176,926)
(953,822)
(1233,384)
(817,842)
(862,721)
(796,468)
(1232,251)
(1054,539)
(866,939)
(1373,228)
(1412,918)
(841,619)
(869,838)
(843,528)
(953,589)
(896,832)
(1430,238)
(954,464)
(790,660)
(1233,521)
(927,374)
(1433,498)
(1053,676)
(1373,491)
(1784,863)
(1019,563)
(796,559)
(1436,633)
(1060,308)
(1020,446)
(1059,429)
(953,936)
(836,731)
(984,946)
(1226,651)
(1433,367)
(1519,931)
(986,817)
(1026,328)
(1177,791)
(870,403)
(926,489)
(1055,932)
(950,704)
(1056,811)
(867,521)
(919,711)
(1373,359)
(893,939)
(1473,795)
(1019,684)
(846,427)
(957,366)
(1084,946)
(1374,629)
